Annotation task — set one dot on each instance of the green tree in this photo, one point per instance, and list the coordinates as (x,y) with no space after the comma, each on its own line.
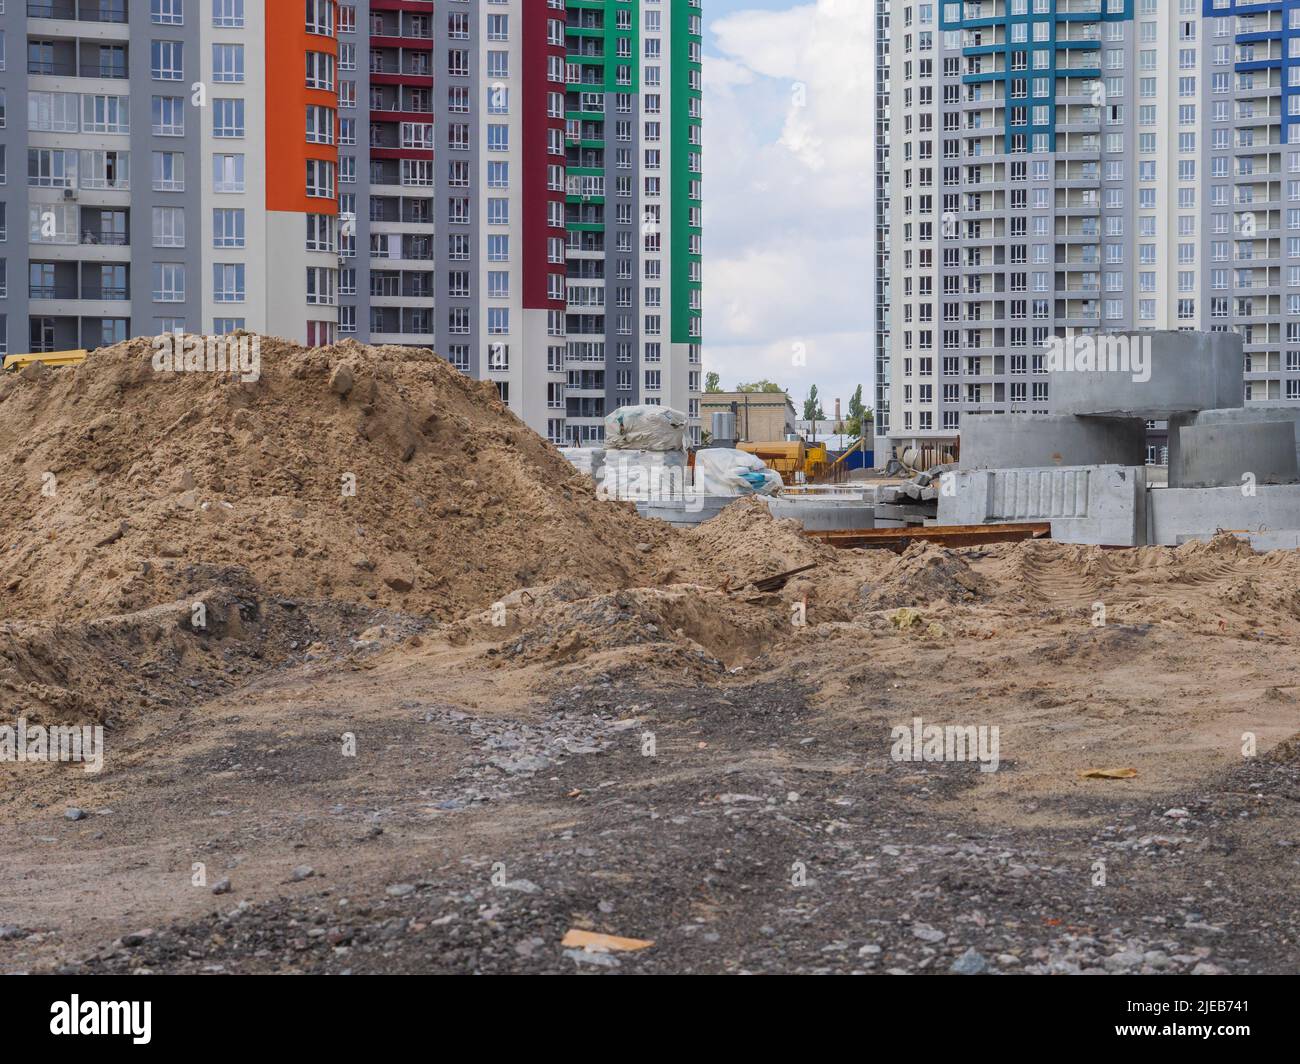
(857,414)
(712,382)
(759,386)
(812,407)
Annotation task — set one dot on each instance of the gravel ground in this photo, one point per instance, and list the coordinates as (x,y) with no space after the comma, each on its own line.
(757,838)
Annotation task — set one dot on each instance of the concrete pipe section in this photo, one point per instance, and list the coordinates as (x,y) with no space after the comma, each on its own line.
(1252,415)
(1233,453)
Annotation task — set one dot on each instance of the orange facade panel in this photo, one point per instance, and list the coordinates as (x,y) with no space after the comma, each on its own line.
(287,100)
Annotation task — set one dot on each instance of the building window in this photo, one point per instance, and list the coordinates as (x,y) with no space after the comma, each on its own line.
(228,62)
(166,61)
(168,282)
(168,227)
(320,179)
(168,171)
(227,118)
(228,14)
(228,173)
(228,282)
(168,116)
(228,227)
(166,12)
(320,17)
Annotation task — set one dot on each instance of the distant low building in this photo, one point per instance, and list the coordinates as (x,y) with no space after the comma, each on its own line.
(761,417)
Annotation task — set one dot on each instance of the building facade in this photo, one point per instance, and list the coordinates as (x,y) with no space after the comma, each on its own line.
(1062,166)
(761,417)
(513,183)
(882,219)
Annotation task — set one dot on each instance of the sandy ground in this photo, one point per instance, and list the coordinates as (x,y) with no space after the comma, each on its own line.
(727,793)
(437,722)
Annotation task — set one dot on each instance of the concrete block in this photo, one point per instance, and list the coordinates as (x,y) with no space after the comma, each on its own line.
(1221,455)
(1200,512)
(1021,441)
(687,511)
(1251,415)
(1147,374)
(1085,504)
(822,515)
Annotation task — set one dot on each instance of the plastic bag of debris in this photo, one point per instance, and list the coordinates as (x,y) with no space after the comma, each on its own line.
(645,428)
(642,476)
(723,471)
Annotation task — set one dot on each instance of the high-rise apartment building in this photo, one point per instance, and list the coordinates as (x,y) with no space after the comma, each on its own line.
(882,218)
(527,197)
(1061,166)
(514,183)
(634,156)
(157,187)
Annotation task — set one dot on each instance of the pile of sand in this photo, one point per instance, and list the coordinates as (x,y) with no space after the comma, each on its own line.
(659,629)
(923,575)
(744,542)
(373,475)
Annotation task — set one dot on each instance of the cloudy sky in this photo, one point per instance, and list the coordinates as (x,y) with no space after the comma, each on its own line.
(787,209)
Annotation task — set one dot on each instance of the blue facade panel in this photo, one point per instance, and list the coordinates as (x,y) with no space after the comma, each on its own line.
(954,15)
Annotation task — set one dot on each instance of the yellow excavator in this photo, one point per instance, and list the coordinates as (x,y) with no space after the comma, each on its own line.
(50,358)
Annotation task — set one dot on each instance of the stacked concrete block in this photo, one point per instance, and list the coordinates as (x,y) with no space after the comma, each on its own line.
(915,502)
(1179,514)
(1235,453)
(1084,504)
(1082,466)
(1248,417)
(1006,441)
(1150,375)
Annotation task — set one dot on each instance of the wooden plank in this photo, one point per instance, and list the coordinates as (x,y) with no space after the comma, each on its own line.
(777,581)
(897,539)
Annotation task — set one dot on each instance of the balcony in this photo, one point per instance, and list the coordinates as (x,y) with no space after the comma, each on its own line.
(86,11)
(104,238)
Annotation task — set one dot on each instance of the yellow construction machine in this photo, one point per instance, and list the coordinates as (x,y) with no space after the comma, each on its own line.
(50,358)
(790,458)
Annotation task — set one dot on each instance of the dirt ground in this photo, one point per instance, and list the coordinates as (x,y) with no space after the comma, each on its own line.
(684,766)
(440,724)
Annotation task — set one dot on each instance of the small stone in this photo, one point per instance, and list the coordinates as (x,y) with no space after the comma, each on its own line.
(1118,962)
(1177,814)
(527,886)
(400,584)
(971,962)
(1206,968)
(600,960)
(342,379)
(399,890)
(137,938)
(73,813)
(304,871)
(926,933)
(221,886)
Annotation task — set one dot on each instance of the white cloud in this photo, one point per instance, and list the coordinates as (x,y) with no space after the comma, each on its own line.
(788,212)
